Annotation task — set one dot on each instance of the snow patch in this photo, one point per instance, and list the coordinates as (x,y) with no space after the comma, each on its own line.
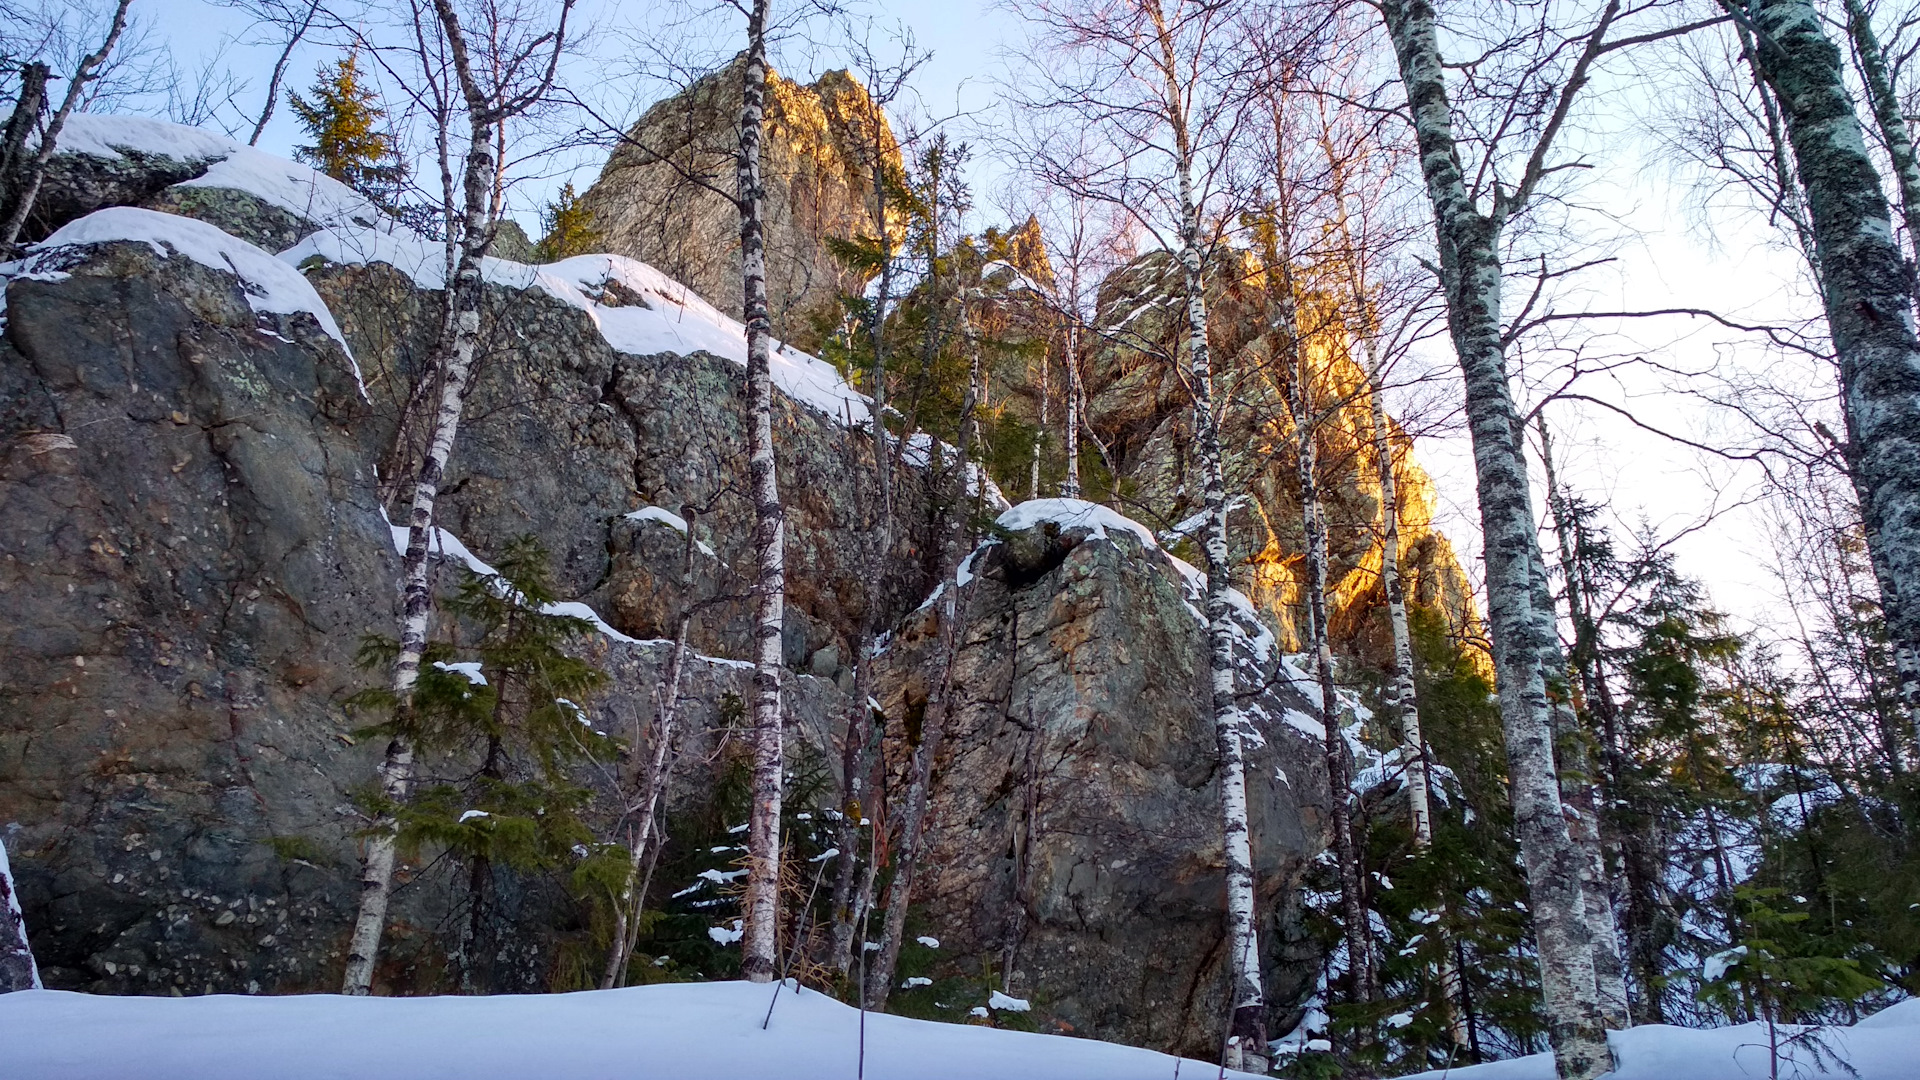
(271,286)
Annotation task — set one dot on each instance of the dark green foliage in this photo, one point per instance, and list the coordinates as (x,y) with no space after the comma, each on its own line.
(501,732)
(1779,970)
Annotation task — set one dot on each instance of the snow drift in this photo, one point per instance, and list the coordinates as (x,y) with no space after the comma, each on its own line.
(667,1032)
(1884,1046)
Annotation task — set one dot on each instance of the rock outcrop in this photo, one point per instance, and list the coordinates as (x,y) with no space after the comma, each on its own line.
(192,544)
(656,201)
(1075,851)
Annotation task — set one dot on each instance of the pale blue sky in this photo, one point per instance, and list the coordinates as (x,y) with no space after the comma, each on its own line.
(1669,266)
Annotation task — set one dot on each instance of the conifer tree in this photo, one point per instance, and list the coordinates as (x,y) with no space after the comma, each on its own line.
(511,704)
(346,122)
(570,229)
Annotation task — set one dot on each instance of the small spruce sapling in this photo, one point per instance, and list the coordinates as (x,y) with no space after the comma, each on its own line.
(505,720)
(1786,976)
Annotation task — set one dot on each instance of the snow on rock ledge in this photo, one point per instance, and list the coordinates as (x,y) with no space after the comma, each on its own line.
(687,1031)
(297,189)
(272,287)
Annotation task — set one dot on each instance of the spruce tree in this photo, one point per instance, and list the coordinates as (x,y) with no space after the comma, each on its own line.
(503,724)
(344,119)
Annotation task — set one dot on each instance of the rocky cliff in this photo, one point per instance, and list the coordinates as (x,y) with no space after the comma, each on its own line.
(656,198)
(204,384)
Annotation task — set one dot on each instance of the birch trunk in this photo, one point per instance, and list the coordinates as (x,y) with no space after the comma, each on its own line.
(1866,288)
(453,364)
(1401,700)
(87,71)
(17,969)
(879,977)
(1246,1042)
(856,766)
(1468,245)
(1887,115)
(763,832)
(653,784)
(1579,781)
(1403,708)
(1070,487)
(1360,970)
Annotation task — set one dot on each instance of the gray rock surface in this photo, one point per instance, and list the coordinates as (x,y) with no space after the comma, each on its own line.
(191,547)
(1075,846)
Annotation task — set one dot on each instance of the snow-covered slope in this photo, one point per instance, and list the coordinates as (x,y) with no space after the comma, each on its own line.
(1884,1046)
(669,1032)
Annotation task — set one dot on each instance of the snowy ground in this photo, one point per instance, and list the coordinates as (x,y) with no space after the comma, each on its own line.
(1884,1046)
(685,1030)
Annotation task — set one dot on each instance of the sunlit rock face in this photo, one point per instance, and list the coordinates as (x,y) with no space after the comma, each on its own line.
(192,545)
(665,195)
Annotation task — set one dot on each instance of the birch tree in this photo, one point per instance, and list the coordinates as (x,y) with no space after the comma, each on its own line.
(502,66)
(761,906)
(85,74)
(1152,81)
(1468,228)
(17,969)
(1867,292)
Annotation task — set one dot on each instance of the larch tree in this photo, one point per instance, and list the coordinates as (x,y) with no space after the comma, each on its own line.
(501,67)
(347,124)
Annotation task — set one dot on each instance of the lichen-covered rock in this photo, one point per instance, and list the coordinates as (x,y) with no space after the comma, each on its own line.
(652,201)
(1075,843)
(192,545)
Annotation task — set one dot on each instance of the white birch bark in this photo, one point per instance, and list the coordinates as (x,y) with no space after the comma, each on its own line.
(1579,782)
(1403,707)
(1070,486)
(1867,292)
(1894,132)
(1468,243)
(453,363)
(1246,1042)
(83,75)
(763,831)
(1360,967)
(17,969)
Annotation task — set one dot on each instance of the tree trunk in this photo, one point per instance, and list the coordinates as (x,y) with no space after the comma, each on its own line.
(857,769)
(1247,1030)
(1867,289)
(1360,971)
(1468,245)
(879,976)
(1070,487)
(763,833)
(26,115)
(17,969)
(453,364)
(29,191)
(653,784)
